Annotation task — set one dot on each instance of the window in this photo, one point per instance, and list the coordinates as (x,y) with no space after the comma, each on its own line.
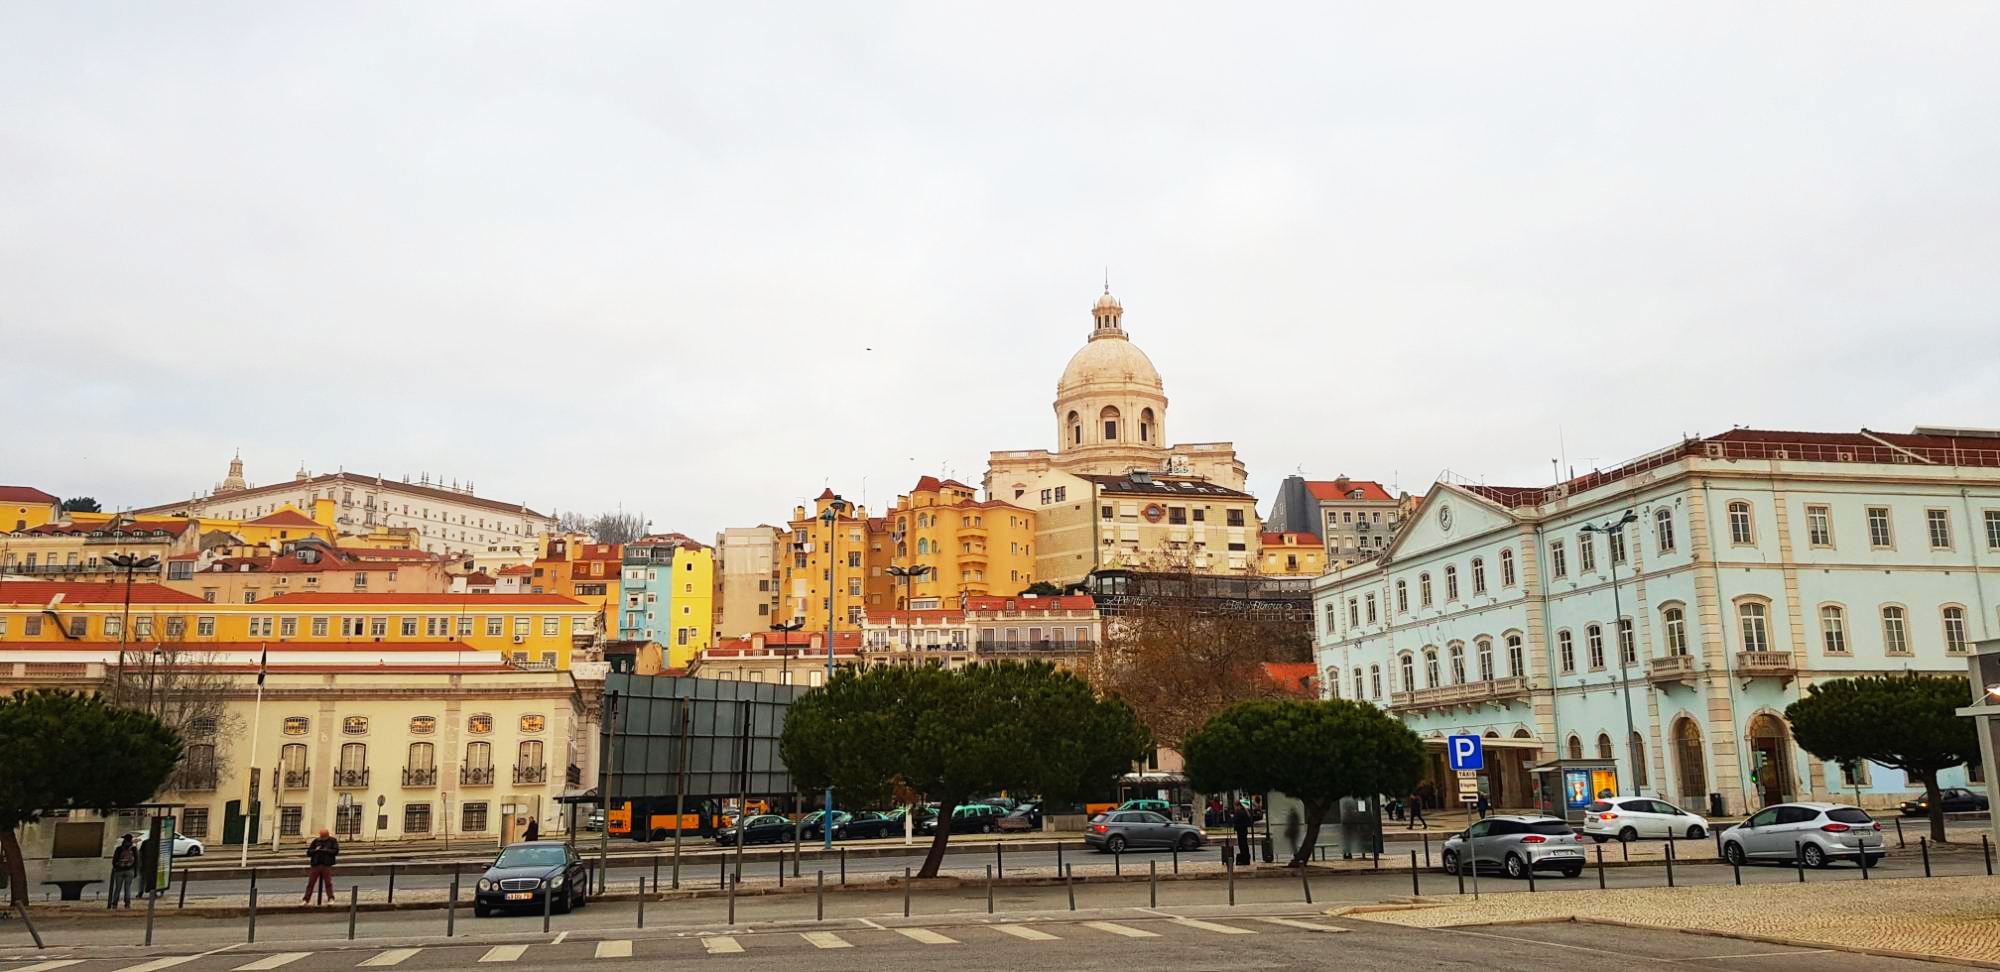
(288,627)
(1575,748)
(1359,686)
(319,627)
(1819,526)
(1586,553)
(465,626)
(291,820)
(1739,523)
(472,818)
(1854,774)
(1233,517)
(1451,582)
(1993,529)
(494,626)
(1593,640)
(1507,567)
(1938,522)
(1408,669)
(1330,619)
(1456,651)
(1424,589)
(1485,652)
(1478,576)
(1954,630)
(1370,599)
(378,627)
(204,627)
(1895,631)
(176,628)
(1558,563)
(1663,530)
(416,818)
(115,626)
(551,626)
(1833,628)
(409,627)
(1566,651)
(1354,612)
(1617,544)
(1628,643)
(1604,746)
(1333,681)
(1752,617)
(1879,533)
(1374,681)
(1516,659)
(1402,597)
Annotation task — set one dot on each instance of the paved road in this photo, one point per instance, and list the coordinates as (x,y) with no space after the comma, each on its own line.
(1109,941)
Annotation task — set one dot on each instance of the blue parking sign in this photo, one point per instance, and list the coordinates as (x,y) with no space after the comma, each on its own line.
(1465,752)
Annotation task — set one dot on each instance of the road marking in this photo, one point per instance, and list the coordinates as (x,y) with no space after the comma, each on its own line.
(926,936)
(1117,929)
(503,953)
(394,956)
(1805,951)
(559,938)
(827,940)
(272,961)
(157,964)
(871,924)
(722,945)
(49,966)
(1213,927)
(614,948)
(1024,932)
(1307,925)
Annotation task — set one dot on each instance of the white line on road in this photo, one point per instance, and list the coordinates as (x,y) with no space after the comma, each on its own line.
(559,938)
(870,924)
(157,964)
(504,953)
(614,948)
(926,936)
(1025,933)
(722,945)
(269,962)
(1307,925)
(1213,927)
(394,956)
(1117,929)
(1804,951)
(50,966)
(826,940)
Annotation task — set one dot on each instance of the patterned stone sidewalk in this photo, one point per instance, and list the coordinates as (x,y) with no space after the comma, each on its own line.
(1957,919)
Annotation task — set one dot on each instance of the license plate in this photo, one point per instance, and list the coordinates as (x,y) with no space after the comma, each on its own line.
(1564,853)
(521,896)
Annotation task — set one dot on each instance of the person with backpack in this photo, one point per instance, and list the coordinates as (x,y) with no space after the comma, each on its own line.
(124,872)
(321,854)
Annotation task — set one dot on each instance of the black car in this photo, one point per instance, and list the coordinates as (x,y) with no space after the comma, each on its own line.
(766,829)
(972,818)
(517,878)
(868,824)
(1956,799)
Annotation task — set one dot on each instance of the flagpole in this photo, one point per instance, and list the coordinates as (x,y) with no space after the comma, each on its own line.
(256,724)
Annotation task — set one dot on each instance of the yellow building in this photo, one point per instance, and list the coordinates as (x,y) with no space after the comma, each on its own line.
(307,565)
(668,596)
(956,545)
(825,555)
(78,551)
(87,618)
(1140,521)
(573,566)
(25,507)
(1292,555)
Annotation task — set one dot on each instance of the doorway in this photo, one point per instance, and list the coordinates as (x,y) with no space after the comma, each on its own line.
(1690,763)
(1770,759)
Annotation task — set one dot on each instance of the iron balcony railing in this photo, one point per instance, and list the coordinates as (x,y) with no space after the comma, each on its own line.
(298,779)
(531,774)
(475,776)
(426,776)
(350,779)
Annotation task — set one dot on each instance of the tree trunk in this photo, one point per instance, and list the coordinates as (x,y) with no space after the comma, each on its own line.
(1316,811)
(1929,778)
(17,869)
(935,858)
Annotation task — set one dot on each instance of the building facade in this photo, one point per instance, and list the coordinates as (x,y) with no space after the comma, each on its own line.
(1140,521)
(668,596)
(25,507)
(826,564)
(952,545)
(1354,517)
(310,565)
(748,579)
(1291,555)
(1662,615)
(778,657)
(1063,630)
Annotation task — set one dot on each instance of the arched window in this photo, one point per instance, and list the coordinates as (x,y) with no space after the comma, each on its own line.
(1566,650)
(1507,568)
(1075,429)
(1517,661)
(1628,643)
(1360,687)
(1409,671)
(1484,648)
(1673,621)
(1431,666)
(1451,582)
(1333,682)
(1638,760)
(1145,425)
(1424,589)
(1833,628)
(1593,640)
(1402,597)
(1575,748)
(1604,746)
(1457,651)
(1895,630)
(1663,530)
(1690,764)
(1753,618)
(1954,629)
(1109,419)
(1739,524)
(1374,681)
(1478,576)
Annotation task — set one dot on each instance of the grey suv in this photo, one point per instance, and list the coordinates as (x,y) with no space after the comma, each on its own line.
(1813,833)
(1512,845)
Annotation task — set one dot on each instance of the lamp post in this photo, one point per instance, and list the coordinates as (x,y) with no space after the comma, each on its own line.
(785,650)
(910,576)
(130,563)
(1616,528)
(831,517)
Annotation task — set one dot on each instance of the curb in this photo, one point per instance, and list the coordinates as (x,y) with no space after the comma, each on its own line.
(1807,943)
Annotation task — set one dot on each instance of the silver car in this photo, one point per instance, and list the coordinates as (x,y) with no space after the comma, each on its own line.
(1513,845)
(1813,833)
(1121,829)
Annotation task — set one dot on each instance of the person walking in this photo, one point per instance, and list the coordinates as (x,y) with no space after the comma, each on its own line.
(1483,806)
(1240,819)
(124,872)
(1417,813)
(320,855)
(534,829)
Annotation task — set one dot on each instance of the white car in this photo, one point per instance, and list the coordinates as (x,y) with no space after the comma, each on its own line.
(1630,818)
(184,846)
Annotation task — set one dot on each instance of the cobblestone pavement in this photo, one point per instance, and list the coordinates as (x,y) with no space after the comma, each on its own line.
(1952,918)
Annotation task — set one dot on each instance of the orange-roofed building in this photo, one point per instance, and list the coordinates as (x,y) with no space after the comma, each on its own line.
(1063,630)
(1292,555)
(1355,519)
(309,565)
(22,507)
(779,657)
(954,545)
(84,551)
(828,560)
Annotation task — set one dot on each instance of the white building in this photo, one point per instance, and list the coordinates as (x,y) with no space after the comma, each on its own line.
(1757,564)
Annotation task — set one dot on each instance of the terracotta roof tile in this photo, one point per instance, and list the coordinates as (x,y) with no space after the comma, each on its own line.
(1330,489)
(459,600)
(38,593)
(283,518)
(25,494)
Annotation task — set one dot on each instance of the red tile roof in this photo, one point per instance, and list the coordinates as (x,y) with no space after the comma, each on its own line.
(38,593)
(387,553)
(827,494)
(1060,602)
(473,601)
(283,518)
(521,570)
(954,482)
(25,494)
(1339,489)
(113,528)
(1298,678)
(926,483)
(478,579)
(1290,540)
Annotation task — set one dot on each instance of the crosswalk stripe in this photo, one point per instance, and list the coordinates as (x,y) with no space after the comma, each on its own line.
(157,964)
(272,961)
(827,940)
(1307,925)
(49,966)
(926,936)
(394,956)
(503,953)
(1213,927)
(1024,932)
(722,945)
(1117,929)
(615,948)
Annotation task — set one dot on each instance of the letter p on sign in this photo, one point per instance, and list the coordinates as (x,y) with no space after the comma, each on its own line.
(1465,752)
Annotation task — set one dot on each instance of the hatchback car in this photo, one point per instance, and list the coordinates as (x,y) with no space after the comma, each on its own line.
(184,846)
(764,829)
(973,818)
(868,824)
(1514,845)
(1812,833)
(1161,807)
(1956,799)
(809,824)
(522,872)
(1630,818)
(1119,830)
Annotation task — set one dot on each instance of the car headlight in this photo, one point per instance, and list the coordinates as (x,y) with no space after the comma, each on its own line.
(485,885)
(557,883)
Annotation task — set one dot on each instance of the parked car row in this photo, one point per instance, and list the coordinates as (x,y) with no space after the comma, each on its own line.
(1811,834)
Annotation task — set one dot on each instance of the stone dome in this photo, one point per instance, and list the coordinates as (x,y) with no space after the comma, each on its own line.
(1109,359)
(1107,302)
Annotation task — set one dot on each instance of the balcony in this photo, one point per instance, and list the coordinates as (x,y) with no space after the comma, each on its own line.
(1043,647)
(1497,692)
(1766,664)
(350,779)
(530,774)
(195,779)
(475,776)
(427,776)
(1668,669)
(298,779)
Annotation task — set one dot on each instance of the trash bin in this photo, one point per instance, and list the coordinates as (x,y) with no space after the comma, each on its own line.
(1269,853)
(1715,805)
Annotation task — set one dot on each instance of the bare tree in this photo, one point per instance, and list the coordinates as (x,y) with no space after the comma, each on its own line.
(187,689)
(613,527)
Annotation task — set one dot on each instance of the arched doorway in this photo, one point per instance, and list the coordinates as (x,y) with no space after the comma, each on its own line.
(1690,763)
(1770,759)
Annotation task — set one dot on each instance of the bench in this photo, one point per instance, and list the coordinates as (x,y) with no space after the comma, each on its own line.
(73,890)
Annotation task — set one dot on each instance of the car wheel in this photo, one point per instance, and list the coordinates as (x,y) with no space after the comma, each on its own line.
(194,852)
(986,828)
(1190,842)
(1570,872)
(1116,844)
(1874,860)
(1814,856)
(1450,863)
(1516,867)
(1733,853)
(1628,835)
(1600,838)
(659,833)
(1696,833)
(561,907)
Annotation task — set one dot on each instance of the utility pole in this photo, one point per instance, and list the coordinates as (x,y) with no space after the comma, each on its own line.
(1615,530)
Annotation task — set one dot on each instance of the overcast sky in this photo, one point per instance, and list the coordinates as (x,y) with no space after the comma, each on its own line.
(704,259)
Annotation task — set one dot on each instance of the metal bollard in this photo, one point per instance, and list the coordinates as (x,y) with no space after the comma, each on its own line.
(656,873)
(1670,862)
(722,873)
(253,908)
(184,892)
(781,867)
(989,889)
(1986,853)
(819,895)
(1530,862)
(1059,860)
(795,862)
(150,900)
(732,903)
(1153,884)
(1000,857)
(1736,870)
(1625,848)
(354,908)
(1177,858)
(642,902)
(1864,859)
(1924,844)
(1229,867)
(1799,859)
(1718,843)
(1069,884)
(906,892)
(843,867)
(1427,850)
(1117,862)
(1415,887)
(1600,868)
(392,884)
(1899,834)
(451,910)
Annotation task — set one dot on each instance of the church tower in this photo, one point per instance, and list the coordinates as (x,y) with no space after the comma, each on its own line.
(234,483)
(1111,407)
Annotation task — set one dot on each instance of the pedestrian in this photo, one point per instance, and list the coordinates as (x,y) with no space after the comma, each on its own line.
(534,829)
(1417,813)
(1483,805)
(320,855)
(1240,819)
(124,872)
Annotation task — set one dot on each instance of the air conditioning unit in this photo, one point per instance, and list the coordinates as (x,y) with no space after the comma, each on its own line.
(520,639)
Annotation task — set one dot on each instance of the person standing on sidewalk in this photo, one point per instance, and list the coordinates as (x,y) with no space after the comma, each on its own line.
(320,855)
(1240,819)
(124,872)
(534,829)
(1417,812)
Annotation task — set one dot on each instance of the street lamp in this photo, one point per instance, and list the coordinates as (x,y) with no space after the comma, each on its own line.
(910,576)
(130,563)
(1616,528)
(831,517)
(785,650)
